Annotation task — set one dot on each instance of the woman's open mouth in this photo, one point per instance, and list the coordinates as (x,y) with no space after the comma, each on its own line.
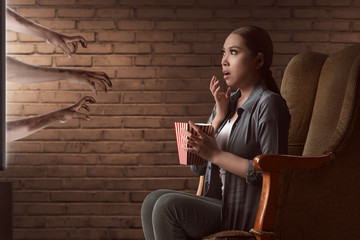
(226,74)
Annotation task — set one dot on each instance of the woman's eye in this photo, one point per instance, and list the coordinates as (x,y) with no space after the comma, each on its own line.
(222,52)
(233,52)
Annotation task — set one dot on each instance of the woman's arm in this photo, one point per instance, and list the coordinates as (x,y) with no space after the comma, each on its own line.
(206,147)
(23,127)
(17,23)
(20,72)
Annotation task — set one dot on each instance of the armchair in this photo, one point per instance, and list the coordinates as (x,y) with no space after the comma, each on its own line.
(313,192)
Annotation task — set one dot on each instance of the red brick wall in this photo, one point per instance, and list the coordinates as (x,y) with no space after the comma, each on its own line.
(87,180)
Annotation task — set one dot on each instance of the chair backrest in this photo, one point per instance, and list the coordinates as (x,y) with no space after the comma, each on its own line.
(323,95)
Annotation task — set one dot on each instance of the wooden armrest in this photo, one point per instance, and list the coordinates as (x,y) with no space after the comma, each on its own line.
(276,162)
(270,165)
(201,184)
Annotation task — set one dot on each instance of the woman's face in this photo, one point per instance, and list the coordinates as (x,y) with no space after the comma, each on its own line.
(238,63)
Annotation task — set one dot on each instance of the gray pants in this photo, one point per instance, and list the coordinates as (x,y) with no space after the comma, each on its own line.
(168,214)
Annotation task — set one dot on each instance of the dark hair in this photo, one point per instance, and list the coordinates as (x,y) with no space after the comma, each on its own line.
(258,40)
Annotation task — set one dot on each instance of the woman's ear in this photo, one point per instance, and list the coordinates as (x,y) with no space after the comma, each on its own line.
(259,60)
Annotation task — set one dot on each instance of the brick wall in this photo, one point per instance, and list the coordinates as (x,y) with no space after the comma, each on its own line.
(87,180)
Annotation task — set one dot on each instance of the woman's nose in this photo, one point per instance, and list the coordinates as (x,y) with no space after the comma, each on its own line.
(224,61)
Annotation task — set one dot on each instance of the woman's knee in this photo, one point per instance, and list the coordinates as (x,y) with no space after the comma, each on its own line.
(166,207)
(151,198)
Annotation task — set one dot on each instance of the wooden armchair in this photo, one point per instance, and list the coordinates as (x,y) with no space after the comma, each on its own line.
(313,192)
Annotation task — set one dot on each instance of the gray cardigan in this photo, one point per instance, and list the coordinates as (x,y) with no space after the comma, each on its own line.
(261,127)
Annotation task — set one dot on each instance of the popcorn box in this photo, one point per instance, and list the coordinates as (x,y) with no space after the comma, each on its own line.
(185,157)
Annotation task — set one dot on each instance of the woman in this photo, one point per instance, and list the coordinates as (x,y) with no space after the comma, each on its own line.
(251,121)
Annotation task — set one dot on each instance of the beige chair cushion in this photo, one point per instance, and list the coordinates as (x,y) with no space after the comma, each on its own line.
(334,101)
(299,85)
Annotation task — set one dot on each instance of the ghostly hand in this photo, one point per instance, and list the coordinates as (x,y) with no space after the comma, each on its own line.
(89,78)
(62,41)
(72,112)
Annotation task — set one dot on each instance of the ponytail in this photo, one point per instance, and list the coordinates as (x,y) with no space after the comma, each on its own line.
(270,81)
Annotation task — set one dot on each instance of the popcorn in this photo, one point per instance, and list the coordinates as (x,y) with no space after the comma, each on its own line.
(186,158)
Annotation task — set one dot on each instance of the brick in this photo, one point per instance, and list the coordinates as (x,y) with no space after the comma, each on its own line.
(252,3)
(290,48)
(11,36)
(96,2)
(219,24)
(44,48)
(346,13)
(18,97)
(112,61)
(333,3)
(65,171)
(81,196)
(311,37)
(58,24)
(160,134)
(75,60)
(198,97)
(136,25)
(232,13)
(45,209)
(132,48)
(84,208)
(22,147)
(289,25)
(43,12)
(76,13)
(28,38)
(194,37)
(332,25)
(56,2)
(145,97)
(155,13)
(30,196)
(194,13)
(171,48)
(35,60)
(138,72)
(117,36)
(40,184)
(356,26)
(114,12)
(96,25)
(27,172)
(311,13)
(115,221)
(271,13)
(96,49)
(169,25)
(294,3)
(192,61)
(20,2)
(345,37)
(154,36)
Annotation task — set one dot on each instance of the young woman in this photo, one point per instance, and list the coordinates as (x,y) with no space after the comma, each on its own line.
(251,121)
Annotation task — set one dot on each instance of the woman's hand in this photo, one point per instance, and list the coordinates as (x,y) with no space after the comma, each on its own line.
(61,41)
(222,99)
(200,144)
(89,78)
(72,112)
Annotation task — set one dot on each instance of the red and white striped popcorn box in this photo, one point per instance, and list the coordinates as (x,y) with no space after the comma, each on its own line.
(185,157)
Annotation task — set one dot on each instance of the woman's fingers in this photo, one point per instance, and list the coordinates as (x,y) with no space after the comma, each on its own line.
(197,129)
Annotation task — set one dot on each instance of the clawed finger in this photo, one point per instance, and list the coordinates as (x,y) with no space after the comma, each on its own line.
(103,77)
(81,116)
